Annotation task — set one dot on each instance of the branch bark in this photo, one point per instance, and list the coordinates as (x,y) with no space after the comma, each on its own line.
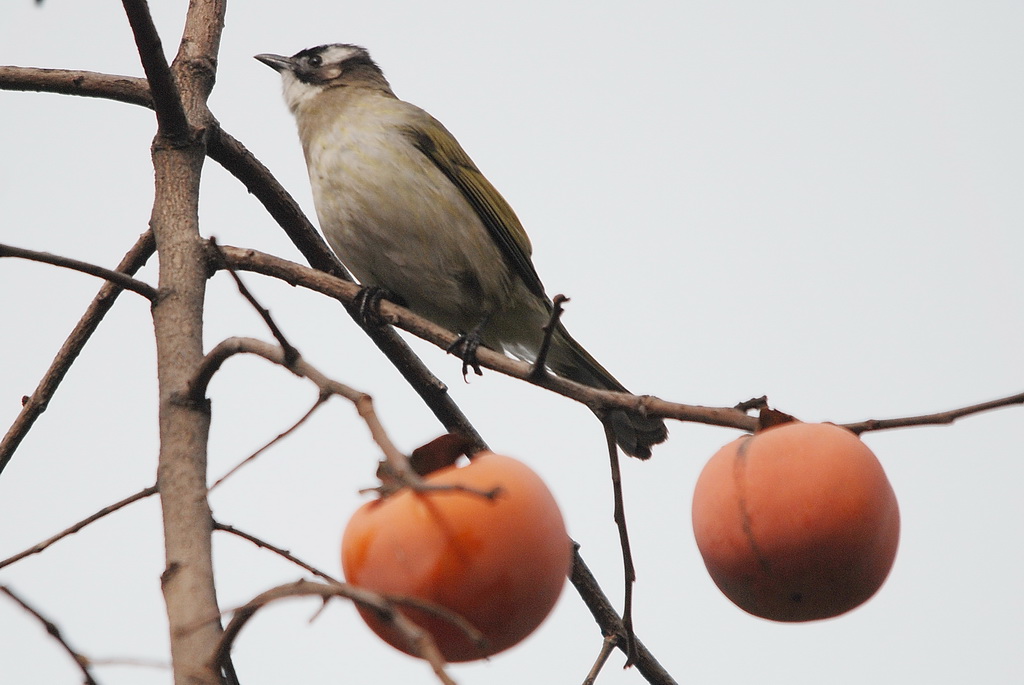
(118,278)
(178,154)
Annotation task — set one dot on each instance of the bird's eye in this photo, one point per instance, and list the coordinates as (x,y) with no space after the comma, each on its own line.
(315,60)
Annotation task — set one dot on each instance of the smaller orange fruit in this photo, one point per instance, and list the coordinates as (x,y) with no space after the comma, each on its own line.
(797,522)
(498,563)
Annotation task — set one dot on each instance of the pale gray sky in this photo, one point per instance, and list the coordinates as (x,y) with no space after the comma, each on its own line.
(820,202)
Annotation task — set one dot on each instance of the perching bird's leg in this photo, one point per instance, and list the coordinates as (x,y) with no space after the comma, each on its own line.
(367,304)
(467,345)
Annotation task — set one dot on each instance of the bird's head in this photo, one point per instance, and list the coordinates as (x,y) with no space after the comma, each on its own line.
(308,73)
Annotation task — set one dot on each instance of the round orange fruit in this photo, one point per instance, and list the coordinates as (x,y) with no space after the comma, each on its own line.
(500,563)
(797,522)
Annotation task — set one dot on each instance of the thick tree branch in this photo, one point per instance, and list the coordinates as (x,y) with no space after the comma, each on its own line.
(170,112)
(196,60)
(178,153)
(130,89)
(35,404)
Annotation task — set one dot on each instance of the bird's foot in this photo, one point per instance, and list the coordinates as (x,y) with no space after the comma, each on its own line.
(367,304)
(465,346)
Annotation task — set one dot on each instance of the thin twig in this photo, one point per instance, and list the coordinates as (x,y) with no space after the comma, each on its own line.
(276,550)
(39,547)
(628,569)
(940,418)
(316,405)
(36,404)
(116,277)
(81,661)
(290,353)
(539,368)
(607,647)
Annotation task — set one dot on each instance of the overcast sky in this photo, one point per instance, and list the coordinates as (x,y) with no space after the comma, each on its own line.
(820,202)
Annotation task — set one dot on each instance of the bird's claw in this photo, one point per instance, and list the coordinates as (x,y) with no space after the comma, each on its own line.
(465,346)
(367,304)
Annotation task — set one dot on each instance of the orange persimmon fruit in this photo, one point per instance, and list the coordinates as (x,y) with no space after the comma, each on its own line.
(797,522)
(499,563)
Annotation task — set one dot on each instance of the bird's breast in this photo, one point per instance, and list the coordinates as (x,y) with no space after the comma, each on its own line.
(397,222)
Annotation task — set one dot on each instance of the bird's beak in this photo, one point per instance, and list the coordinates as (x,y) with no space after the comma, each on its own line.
(277,62)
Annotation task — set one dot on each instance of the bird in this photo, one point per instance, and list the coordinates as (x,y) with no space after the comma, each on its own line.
(409,213)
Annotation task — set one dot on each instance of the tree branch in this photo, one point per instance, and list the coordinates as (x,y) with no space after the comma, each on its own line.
(628,569)
(170,112)
(276,550)
(417,639)
(117,277)
(36,404)
(611,624)
(71,530)
(51,628)
(178,153)
(940,418)
(129,89)
(599,400)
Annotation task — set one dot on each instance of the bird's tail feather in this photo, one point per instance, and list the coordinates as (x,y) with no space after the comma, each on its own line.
(634,432)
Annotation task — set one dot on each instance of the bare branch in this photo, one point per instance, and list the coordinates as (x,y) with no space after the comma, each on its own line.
(118,278)
(398,462)
(416,638)
(188,586)
(610,623)
(628,569)
(599,400)
(607,647)
(291,354)
(276,550)
(305,417)
(36,404)
(81,661)
(170,112)
(940,418)
(197,54)
(239,345)
(539,368)
(130,89)
(37,548)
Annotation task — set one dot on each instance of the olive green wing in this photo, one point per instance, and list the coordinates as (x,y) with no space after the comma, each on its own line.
(434,141)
